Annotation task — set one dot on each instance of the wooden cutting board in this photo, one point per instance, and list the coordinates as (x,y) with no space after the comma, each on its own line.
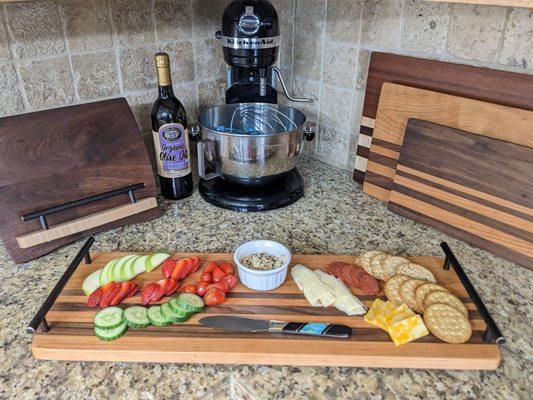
(399,103)
(71,330)
(472,187)
(500,87)
(51,157)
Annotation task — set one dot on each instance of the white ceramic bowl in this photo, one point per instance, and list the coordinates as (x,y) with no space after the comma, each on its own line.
(262,279)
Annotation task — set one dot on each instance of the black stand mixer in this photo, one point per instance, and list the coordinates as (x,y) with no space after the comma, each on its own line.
(251,134)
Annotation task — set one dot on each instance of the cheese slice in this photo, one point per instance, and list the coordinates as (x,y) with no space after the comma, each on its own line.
(399,313)
(344,300)
(407,330)
(377,317)
(315,291)
(375,309)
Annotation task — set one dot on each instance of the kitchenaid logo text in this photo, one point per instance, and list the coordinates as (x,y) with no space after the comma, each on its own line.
(251,43)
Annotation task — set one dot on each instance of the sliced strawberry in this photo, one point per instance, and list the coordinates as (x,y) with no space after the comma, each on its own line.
(219,286)
(94,298)
(181,270)
(174,285)
(196,263)
(164,284)
(167,267)
(227,268)
(230,281)
(109,290)
(190,265)
(150,293)
(210,267)
(218,274)
(133,289)
(125,288)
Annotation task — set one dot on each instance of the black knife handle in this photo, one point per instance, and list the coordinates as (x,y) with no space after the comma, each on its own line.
(315,329)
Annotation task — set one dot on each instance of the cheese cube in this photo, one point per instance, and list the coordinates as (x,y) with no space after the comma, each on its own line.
(378,309)
(407,330)
(398,314)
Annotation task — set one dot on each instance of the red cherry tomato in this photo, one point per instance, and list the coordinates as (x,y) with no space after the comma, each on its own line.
(230,281)
(190,288)
(201,288)
(214,297)
(227,268)
(206,277)
(218,274)
(210,266)
(219,286)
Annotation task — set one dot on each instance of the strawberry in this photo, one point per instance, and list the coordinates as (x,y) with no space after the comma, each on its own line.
(175,284)
(133,290)
(167,267)
(195,264)
(125,288)
(151,293)
(210,267)
(94,298)
(218,274)
(227,268)
(165,285)
(181,270)
(109,290)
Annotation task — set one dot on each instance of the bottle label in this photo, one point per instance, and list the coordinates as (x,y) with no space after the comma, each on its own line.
(171,144)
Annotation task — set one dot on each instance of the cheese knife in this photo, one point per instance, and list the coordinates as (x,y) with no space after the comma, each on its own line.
(241,324)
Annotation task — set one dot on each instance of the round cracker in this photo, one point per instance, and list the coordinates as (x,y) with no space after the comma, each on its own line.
(446,323)
(416,271)
(440,297)
(376,265)
(364,260)
(392,288)
(407,293)
(423,290)
(391,264)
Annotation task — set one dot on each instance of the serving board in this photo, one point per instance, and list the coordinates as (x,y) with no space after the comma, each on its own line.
(71,330)
(399,103)
(52,157)
(500,87)
(470,186)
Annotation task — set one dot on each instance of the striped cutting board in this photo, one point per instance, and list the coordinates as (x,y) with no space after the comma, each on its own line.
(475,188)
(500,87)
(71,336)
(399,103)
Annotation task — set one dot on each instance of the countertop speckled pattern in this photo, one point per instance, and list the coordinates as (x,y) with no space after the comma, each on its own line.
(334,217)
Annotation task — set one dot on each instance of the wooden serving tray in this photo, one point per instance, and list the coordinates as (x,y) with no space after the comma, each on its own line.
(70,336)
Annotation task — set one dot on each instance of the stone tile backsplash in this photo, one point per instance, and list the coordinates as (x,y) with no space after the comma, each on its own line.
(62,52)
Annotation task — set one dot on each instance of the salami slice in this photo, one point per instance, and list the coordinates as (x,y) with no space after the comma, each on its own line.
(358,272)
(369,285)
(345,274)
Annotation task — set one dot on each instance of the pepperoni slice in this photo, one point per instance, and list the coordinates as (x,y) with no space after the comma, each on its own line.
(369,285)
(358,272)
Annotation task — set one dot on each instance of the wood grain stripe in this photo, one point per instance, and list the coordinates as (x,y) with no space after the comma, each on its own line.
(362,151)
(368,122)
(380,169)
(365,130)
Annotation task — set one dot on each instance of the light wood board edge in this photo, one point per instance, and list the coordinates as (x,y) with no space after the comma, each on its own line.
(503,3)
(85,223)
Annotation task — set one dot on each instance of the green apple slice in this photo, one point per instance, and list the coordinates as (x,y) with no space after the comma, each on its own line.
(155,260)
(139,266)
(113,274)
(91,283)
(122,275)
(103,276)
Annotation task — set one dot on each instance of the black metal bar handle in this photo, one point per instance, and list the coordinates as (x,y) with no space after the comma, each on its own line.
(39,318)
(492,333)
(79,202)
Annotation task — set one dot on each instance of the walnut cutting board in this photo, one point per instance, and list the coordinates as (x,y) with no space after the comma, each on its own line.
(475,188)
(500,87)
(51,157)
(399,103)
(71,331)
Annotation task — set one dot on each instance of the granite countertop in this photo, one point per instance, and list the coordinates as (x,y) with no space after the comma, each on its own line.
(334,217)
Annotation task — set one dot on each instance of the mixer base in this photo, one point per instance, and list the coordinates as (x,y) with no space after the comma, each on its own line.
(277,194)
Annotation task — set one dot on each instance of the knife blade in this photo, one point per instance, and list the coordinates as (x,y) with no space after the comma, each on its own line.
(242,324)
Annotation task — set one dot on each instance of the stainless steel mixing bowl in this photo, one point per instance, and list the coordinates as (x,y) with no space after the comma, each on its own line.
(226,148)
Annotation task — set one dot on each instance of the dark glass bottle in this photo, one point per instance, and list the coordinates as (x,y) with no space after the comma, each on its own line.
(171,139)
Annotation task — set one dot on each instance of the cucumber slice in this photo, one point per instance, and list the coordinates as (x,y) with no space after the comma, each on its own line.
(174,306)
(113,274)
(190,302)
(136,317)
(170,315)
(91,283)
(103,275)
(155,260)
(139,266)
(111,334)
(108,318)
(121,272)
(155,316)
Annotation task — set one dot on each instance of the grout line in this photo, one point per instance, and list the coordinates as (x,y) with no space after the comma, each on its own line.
(402,24)
(63,27)
(114,47)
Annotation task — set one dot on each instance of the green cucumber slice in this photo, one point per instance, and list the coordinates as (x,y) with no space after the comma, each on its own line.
(111,334)
(108,318)
(91,283)
(155,316)
(174,306)
(113,274)
(170,315)
(190,302)
(155,260)
(136,317)
(103,275)
(121,272)
(139,265)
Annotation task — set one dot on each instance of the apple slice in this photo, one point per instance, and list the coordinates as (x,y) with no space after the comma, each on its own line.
(121,274)
(155,260)
(114,272)
(139,266)
(103,276)
(91,283)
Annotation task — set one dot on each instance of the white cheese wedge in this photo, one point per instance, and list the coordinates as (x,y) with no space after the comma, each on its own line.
(345,301)
(315,291)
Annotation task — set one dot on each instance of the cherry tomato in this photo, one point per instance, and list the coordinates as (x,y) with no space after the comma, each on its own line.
(227,268)
(210,266)
(190,288)
(214,297)
(218,274)
(201,288)
(219,286)
(230,281)
(206,277)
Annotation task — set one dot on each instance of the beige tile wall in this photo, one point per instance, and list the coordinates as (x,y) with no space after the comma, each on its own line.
(61,52)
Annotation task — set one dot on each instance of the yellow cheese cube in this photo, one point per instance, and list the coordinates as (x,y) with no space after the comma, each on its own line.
(407,330)
(398,314)
(388,307)
(377,311)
